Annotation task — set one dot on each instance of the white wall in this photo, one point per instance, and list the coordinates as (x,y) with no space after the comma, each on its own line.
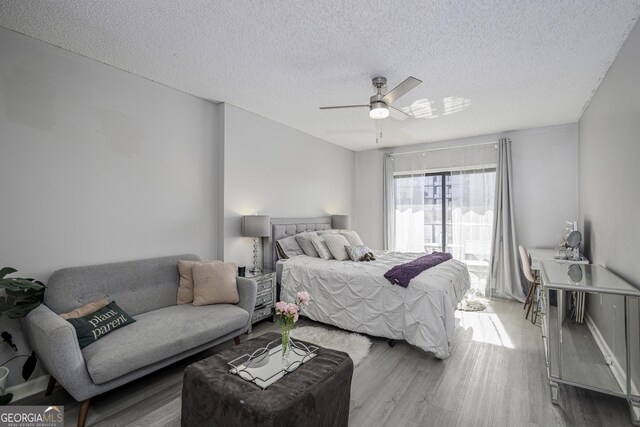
(609,195)
(275,170)
(545,175)
(98,165)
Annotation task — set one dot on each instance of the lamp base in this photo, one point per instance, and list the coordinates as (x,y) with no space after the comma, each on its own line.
(255,269)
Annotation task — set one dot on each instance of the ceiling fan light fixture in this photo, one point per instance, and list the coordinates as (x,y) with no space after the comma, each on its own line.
(378,110)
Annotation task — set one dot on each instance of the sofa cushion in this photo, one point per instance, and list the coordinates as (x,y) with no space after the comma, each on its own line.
(158,335)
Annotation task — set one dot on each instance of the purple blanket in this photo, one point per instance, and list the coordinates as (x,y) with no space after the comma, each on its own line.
(403,273)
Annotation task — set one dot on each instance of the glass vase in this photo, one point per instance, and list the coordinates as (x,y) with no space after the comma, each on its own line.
(286,345)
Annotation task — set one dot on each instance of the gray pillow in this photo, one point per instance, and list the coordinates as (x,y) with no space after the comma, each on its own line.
(304,240)
(356,253)
(288,247)
(321,246)
(336,244)
(352,237)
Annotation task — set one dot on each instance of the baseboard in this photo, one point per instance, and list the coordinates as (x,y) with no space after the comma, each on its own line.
(31,387)
(618,371)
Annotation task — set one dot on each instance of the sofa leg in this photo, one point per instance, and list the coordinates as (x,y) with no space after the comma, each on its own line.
(84,410)
(52,383)
(236,340)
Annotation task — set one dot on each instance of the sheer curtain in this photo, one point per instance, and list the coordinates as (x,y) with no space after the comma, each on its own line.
(442,199)
(471,213)
(409,204)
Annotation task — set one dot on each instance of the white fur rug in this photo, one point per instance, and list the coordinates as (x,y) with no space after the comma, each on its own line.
(355,345)
(472,303)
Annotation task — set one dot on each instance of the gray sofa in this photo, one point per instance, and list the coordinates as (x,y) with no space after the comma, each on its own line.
(162,334)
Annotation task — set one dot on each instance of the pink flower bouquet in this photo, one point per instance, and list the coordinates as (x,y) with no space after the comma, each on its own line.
(287,314)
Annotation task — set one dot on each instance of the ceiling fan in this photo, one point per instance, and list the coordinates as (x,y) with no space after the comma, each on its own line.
(380,103)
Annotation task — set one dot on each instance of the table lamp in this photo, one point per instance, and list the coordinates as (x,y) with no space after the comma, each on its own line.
(256,226)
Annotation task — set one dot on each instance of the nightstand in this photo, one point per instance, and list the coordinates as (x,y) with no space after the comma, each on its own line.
(266,296)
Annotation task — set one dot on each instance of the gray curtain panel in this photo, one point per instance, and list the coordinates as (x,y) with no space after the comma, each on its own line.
(505,275)
(388,203)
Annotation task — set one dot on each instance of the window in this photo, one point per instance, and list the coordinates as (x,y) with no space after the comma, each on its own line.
(448,211)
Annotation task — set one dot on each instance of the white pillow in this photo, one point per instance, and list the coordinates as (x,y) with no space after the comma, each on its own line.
(304,240)
(337,245)
(325,232)
(321,246)
(352,237)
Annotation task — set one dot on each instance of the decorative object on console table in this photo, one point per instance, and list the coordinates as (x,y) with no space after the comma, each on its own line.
(266,296)
(340,222)
(256,226)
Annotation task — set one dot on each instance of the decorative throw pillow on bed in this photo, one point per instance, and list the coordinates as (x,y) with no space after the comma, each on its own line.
(321,246)
(336,244)
(215,283)
(86,309)
(323,232)
(357,253)
(288,247)
(352,237)
(185,290)
(304,240)
(101,322)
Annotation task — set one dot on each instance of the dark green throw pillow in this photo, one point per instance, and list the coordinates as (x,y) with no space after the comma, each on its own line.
(96,325)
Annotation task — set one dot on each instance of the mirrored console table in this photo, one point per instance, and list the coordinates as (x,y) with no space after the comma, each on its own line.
(591,331)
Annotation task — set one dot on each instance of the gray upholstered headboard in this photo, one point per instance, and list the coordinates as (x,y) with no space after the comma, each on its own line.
(283,227)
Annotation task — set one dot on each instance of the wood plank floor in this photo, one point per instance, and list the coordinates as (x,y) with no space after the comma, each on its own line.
(494,377)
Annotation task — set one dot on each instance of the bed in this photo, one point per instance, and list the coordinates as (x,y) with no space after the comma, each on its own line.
(356,296)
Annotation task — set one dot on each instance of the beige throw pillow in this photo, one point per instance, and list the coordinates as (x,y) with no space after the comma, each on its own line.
(185,289)
(86,309)
(336,244)
(215,283)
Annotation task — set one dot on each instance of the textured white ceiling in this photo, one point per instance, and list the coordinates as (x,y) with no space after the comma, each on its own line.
(487,66)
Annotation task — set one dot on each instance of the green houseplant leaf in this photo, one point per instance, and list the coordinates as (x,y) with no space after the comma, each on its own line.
(18,296)
(22,295)
(6,270)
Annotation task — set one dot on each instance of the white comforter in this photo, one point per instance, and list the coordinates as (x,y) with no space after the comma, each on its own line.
(357,297)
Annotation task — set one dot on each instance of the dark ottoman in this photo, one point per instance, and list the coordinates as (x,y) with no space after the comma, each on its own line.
(315,394)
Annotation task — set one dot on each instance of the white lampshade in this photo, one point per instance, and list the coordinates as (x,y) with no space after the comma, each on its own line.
(340,222)
(378,110)
(255,226)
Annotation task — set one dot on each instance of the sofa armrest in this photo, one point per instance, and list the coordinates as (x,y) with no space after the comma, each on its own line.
(56,344)
(247,288)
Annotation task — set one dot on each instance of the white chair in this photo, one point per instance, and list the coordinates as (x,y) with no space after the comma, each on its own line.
(533,281)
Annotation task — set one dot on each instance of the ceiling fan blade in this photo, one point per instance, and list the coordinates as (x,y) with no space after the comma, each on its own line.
(344,106)
(398,91)
(398,114)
